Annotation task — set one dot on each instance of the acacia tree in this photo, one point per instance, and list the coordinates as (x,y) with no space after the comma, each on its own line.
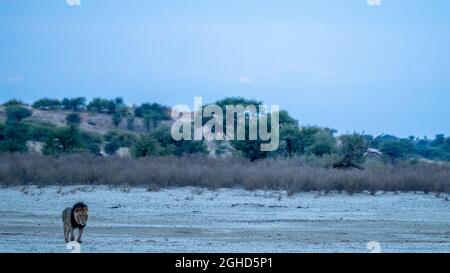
(146,146)
(352,151)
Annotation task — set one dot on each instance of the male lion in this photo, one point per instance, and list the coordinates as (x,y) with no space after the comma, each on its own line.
(73,218)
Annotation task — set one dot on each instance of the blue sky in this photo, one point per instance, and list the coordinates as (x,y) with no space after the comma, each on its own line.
(337,63)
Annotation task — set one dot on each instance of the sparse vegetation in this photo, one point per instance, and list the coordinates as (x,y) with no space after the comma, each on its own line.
(47,104)
(152,114)
(296,174)
(14,102)
(100,105)
(124,139)
(309,157)
(74,104)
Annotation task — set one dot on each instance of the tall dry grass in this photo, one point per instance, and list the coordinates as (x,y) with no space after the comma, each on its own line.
(293,175)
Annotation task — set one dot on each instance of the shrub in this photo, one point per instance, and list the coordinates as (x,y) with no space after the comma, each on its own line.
(179,148)
(73,119)
(112,146)
(323,143)
(94,148)
(293,174)
(146,146)
(130,122)
(40,130)
(91,137)
(124,139)
(14,133)
(13,138)
(64,140)
(117,118)
(16,114)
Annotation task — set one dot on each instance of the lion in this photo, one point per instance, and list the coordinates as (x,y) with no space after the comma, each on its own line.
(73,218)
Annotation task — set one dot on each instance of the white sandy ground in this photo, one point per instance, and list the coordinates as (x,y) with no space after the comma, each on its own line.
(226,220)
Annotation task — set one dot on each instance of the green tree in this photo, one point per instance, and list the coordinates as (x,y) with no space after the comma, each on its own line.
(323,143)
(100,105)
(149,121)
(308,139)
(91,142)
(180,148)
(2,129)
(286,120)
(64,140)
(291,141)
(130,122)
(250,149)
(396,150)
(446,145)
(14,133)
(68,139)
(152,114)
(74,104)
(117,118)
(144,108)
(47,104)
(237,101)
(13,138)
(439,140)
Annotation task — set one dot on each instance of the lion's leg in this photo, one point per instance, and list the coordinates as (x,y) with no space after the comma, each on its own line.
(80,231)
(72,236)
(66,233)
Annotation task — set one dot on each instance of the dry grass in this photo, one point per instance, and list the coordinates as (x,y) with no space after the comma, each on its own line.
(293,175)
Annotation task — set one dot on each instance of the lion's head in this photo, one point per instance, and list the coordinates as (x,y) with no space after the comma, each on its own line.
(80,213)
